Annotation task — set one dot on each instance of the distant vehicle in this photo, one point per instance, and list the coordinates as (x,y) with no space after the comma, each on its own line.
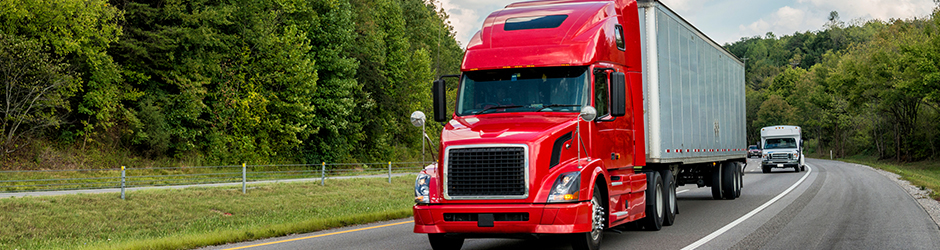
(782,148)
(753,150)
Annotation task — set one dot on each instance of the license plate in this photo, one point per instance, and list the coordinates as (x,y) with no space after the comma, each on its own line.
(779,165)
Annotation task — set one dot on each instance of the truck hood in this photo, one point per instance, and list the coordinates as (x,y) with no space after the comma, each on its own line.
(505,128)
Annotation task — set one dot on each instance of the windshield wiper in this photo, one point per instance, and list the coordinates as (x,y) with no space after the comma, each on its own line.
(557,105)
(497,107)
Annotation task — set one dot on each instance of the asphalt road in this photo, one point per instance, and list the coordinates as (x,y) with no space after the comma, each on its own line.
(832,206)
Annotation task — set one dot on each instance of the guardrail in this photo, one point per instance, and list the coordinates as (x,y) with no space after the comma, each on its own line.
(126,177)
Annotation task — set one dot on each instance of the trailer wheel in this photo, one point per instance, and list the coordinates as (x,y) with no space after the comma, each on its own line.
(729,180)
(443,242)
(655,207)
(592,240)
(740,176)
(716,183)
(672,208)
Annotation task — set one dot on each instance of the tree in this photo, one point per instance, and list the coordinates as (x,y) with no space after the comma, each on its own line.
(35,90)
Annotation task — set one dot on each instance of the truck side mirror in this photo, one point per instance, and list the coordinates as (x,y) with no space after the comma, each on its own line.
(618,94)
(440,104)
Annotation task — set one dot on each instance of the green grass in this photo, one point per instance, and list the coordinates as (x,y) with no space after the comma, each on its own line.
(924,174)
(194,217)
(59,180)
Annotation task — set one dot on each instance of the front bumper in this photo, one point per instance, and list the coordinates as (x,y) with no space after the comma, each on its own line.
(781,164)
(542,218)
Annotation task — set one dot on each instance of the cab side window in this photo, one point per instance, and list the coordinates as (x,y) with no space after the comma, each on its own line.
(601,102)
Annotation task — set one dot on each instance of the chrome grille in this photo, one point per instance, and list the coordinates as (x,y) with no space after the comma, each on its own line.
(777,156)
(486,172)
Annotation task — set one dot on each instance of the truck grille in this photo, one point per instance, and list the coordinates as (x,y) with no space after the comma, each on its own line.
(779,156)
(486,172)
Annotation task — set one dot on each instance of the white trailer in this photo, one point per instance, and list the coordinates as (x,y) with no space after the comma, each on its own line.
(782,147)
(694,102)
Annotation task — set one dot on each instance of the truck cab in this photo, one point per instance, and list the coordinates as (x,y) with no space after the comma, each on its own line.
(782,147)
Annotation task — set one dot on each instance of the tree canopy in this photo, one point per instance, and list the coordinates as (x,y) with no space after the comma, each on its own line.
(231,81)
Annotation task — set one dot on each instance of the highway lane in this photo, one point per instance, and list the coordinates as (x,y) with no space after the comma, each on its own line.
(836,205)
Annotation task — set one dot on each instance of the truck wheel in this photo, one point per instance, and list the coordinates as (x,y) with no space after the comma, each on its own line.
(672,208)
(740,176)
(729,180)
(443,242)
(716,183)
(655,207)
(765,169)
(592,240)
(796,169)
(803,168)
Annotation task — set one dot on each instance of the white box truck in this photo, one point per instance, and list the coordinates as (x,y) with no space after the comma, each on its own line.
(782,148)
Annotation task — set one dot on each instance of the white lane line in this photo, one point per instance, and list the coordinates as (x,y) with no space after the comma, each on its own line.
(734,223)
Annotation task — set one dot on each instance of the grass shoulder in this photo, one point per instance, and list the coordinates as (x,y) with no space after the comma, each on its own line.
(195,217)
(923,174)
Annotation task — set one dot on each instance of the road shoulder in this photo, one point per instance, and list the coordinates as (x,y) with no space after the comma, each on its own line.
(922,196)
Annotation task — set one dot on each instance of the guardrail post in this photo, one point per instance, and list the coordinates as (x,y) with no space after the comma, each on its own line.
(244,177)
(830,154)
(389,172)
(322,174)
(123,176)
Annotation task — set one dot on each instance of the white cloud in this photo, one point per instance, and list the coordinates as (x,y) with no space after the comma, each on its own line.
(467,15)
(785,20)
(877,9)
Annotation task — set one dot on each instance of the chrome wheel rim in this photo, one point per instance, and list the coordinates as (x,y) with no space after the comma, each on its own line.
(597,220)
(659,200)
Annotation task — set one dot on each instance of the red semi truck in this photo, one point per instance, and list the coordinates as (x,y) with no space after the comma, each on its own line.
(576,116)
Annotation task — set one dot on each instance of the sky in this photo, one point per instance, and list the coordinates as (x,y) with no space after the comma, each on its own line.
(727,21)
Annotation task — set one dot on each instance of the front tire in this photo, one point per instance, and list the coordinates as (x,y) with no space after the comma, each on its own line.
(655,207)
(592,240)
(443,242)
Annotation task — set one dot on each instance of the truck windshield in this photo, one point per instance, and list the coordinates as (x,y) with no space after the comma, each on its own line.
(552,89)
(780,143)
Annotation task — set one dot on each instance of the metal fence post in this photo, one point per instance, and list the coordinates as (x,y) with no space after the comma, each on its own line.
(323,174)
(244,177)
(389,172)
(123,176)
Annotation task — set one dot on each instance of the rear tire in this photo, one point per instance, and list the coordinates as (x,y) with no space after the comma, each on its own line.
(592,240)
(443,242)
(717,183)
(740,176)
(729,180)
(655,207)
(672,208)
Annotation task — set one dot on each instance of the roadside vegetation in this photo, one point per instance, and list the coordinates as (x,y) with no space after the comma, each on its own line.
(195,217)
(202,83)
(869,87)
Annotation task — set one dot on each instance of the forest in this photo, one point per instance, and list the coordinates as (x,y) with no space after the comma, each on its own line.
(217,81)
(870,87)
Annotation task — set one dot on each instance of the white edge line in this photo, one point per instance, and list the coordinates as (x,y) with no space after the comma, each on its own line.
(734,223)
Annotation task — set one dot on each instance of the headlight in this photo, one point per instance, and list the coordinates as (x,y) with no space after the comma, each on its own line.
(794,156)
(422,188)
(566,188)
